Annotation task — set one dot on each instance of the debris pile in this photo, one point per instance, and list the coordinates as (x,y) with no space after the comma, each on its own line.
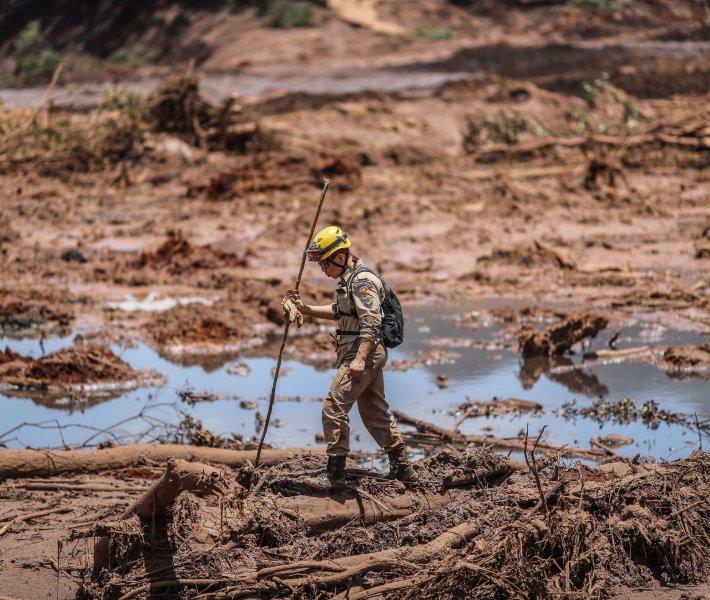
(560,337)
(26,312)
(537,253)
(688,356)
(476,524)
(176,326)
(177,256)
(75,368)
(271,171)
(177,107)
(67,143)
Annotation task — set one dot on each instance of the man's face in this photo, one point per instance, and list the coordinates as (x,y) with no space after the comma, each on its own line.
(333,266)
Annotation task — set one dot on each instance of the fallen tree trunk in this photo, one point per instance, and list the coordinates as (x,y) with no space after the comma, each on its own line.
(495,442)
(42,463)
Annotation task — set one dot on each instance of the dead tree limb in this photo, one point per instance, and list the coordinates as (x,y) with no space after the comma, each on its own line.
(43,463)
(495,442)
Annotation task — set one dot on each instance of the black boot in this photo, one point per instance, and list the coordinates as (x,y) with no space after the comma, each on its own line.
(400,467)
(336,470)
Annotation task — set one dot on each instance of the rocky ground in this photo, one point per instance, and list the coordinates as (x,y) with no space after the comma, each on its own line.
(566,174)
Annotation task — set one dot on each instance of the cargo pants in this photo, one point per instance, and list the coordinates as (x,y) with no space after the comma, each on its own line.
(369,393)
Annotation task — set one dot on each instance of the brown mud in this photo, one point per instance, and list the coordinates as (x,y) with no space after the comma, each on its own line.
(89,369)
(564,171)
(27,312)
(475,523)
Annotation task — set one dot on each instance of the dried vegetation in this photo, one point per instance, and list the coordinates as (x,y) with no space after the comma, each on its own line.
(58,142)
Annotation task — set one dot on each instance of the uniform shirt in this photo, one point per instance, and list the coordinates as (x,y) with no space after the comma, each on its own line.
(366,314)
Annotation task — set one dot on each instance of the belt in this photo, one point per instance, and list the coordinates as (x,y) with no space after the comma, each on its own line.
(346,332)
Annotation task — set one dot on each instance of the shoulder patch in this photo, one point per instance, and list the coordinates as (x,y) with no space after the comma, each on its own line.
(363,287)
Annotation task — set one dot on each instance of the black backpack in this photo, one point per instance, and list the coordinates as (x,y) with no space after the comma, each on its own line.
(392,330)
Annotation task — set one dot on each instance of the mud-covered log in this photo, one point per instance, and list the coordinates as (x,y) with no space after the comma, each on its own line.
(364,563)
(317,515)
(42,463)
(559,338)
(179,476)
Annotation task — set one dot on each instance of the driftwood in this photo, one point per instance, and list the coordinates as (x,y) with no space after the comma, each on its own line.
(484,440)
(559,338)
(317,515)
(179,476)
(496,407)
(42,463)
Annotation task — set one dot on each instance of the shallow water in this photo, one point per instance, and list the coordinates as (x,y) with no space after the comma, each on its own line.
(478,374)
(215,87)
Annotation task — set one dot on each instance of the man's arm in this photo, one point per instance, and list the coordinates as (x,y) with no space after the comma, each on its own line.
(366,297)
(319,312)
(357,365)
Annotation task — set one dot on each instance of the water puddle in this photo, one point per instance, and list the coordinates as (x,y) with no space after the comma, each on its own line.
(231,393)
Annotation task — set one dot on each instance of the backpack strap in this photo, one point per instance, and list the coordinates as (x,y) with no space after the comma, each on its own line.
(349,286)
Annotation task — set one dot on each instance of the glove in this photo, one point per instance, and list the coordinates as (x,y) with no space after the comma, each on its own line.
(290,313)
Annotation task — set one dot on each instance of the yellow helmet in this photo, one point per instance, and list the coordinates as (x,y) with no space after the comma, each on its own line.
(327,242)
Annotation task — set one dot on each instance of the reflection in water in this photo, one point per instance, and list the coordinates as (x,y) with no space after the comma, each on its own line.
(576,381)
(236,391)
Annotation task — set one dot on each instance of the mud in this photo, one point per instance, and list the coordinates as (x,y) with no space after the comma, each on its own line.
(534,179)
(177,255)
(269,172)
(73,369)
(32,312)
(507,517)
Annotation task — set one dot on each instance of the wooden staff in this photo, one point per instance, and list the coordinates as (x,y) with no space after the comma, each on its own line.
(326,184)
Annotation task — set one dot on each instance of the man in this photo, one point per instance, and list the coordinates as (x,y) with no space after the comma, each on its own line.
(361,356)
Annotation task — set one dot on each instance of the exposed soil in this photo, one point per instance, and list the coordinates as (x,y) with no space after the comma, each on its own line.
(75,368)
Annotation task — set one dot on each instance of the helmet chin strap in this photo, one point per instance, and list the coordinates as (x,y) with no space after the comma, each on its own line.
(344,266)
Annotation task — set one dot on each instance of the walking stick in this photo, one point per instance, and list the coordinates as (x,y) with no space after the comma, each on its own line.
(326,184)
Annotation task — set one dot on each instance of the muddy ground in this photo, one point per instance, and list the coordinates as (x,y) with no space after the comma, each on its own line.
(476,523)
(566,173)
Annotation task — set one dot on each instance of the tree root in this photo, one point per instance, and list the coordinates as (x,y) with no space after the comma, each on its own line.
(179,476)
